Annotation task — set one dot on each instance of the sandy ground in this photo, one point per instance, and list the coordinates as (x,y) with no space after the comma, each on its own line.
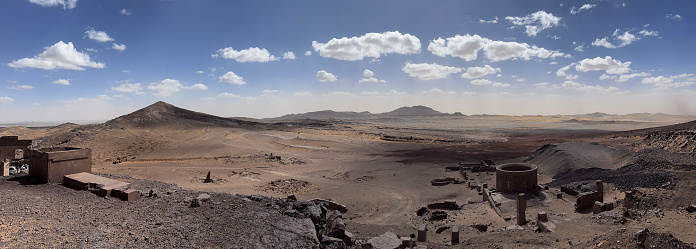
(381,182)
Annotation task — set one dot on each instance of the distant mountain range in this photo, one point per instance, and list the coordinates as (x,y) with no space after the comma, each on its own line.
(403,112)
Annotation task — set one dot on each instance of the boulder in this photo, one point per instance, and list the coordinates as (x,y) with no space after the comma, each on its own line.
(387,240)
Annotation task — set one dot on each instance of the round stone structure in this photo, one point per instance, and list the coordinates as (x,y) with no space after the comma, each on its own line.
(515,178)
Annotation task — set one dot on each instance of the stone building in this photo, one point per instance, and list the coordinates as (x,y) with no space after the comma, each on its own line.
(10,147)
(51,164)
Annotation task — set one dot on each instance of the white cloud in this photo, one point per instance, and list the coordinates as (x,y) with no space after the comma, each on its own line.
(65,82)
(468,46)
(198,87)
(626,77)
(478,72)
(6,99)
(269,91)
(20,87)
(368,73)
(119,47)
(99,36)
(125,12)
(128,88)
(663,83)
(200,72)
(489,21)
(648,33)
(67,4)
(562,71)
(289,55)
(602,43)
(588,88)
(499,76)
(498,84)
(58,56)
(582,8)
(126,71)
(438,91)
(228,95)
(481,82)
(674,17)
(553,63)
(465,47)
(606,77)
(520,80)
(371,79)
(369,45)
(622,39)
(252,54)
(232,78)
(579,47)
(535,22)
(165,88)
(308,53)
(426,71)
(324,76)
(607,64)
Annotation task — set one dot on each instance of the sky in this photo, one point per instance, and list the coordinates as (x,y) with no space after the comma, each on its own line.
(72,60)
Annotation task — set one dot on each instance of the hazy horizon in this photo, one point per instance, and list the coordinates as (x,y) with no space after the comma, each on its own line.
(95,60)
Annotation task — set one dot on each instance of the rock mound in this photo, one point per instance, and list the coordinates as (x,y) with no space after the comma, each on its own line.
(559,160)
(161,113)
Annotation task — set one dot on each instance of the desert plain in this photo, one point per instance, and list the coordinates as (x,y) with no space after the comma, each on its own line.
(380,166)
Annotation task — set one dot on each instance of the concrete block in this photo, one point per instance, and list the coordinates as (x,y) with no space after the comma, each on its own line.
(455,235)
(542,216)
(126,195)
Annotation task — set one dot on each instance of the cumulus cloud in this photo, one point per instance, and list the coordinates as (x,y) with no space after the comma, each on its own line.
(489,21)
(228,95)
(535,22)
(485,82)
(200,72)
(252,54)
(20,87)
(99,36)
(606,77)
(67,4)
(232,78)
(545,85)
(5,100)
(674,17)
(289,55)
(663,83)
(468,46)
(164,88)
(324,76)
(626,77)
(607,64)
(562,72)
(649,33)
(367,77)
(498,84)
(65,82)
(588,88)
(125,12)
(369,45)
(128,88)
(478,72)
(429,71)
(198,87)
(308,53)
(269,91)
(622,39)
(119,47)
(58,56)
(584,7)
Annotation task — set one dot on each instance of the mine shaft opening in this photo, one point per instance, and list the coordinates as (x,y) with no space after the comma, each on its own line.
(516,167)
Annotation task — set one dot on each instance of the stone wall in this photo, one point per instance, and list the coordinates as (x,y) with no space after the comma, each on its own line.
(514,178)
(10,144)
(51,164)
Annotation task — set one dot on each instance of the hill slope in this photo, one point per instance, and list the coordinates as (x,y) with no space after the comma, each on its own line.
(162,113)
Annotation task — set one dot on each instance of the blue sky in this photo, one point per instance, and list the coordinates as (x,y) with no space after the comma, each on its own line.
(95,60)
